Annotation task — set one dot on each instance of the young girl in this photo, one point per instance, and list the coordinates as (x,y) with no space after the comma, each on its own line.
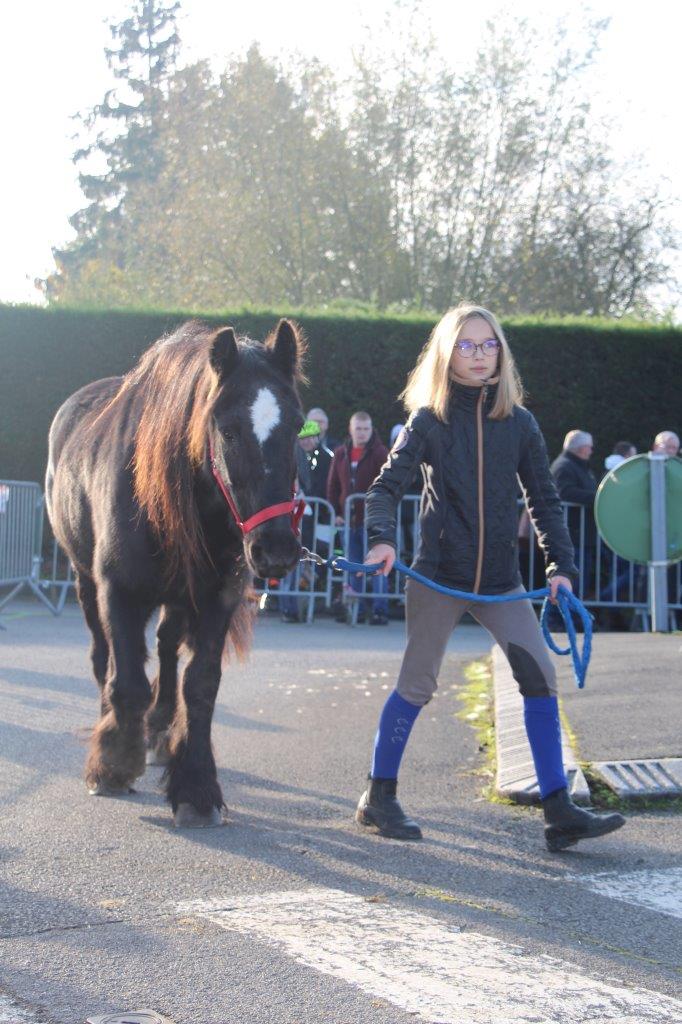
(475,441)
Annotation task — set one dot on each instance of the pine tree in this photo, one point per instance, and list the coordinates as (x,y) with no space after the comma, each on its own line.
(123,134)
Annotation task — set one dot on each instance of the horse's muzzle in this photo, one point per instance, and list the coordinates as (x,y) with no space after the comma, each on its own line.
(274,552)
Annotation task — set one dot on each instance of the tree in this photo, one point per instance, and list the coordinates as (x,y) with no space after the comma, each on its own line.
(412,184)
(123,134)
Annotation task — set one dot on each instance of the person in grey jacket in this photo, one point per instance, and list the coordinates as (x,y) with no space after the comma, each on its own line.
(577,484)
(475,442)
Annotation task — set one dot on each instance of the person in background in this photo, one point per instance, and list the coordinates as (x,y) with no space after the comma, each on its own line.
(308,438)
(576,483)
(322,420)
(622,450)
(666,443)
(618,575)
(317,527)
(353,469)
(395,431)
(319,453)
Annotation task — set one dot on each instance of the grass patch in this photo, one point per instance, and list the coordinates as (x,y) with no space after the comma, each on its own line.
(432,893)
(604,798)
(478,711)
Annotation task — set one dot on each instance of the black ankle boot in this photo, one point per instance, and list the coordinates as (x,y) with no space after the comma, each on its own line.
(566,824)
(379,809)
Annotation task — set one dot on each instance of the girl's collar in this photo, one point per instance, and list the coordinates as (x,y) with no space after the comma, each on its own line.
(474,383)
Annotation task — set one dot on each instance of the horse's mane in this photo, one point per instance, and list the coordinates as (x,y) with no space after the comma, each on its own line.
(174,391)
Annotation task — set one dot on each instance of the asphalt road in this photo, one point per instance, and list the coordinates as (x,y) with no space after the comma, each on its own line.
(631,706)
(95,891)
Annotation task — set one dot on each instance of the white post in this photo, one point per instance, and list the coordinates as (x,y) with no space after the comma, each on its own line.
(658,566)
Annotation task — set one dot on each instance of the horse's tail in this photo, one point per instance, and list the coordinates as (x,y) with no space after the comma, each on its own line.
(240,633)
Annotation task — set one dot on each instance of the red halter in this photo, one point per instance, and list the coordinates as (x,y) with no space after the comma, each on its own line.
(292,508)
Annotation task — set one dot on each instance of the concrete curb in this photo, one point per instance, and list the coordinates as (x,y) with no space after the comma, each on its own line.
(515,778)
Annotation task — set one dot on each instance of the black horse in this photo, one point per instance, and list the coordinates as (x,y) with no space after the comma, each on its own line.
(170,488)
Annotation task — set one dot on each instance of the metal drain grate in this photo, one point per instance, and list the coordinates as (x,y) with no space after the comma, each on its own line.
(130,1017)
(662,777)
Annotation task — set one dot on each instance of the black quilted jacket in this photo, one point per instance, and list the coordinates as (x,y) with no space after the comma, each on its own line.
(472,467)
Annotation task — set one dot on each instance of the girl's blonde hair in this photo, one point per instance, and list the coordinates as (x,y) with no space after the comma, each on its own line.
(429,382)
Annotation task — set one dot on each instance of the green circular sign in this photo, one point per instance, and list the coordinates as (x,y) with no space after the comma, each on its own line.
(622,509)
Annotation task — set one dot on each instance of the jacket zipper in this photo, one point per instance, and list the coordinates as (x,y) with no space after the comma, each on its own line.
(481,520)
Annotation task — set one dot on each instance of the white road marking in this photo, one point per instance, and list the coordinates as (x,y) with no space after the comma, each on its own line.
(265,414)
(436,972)
(656,890)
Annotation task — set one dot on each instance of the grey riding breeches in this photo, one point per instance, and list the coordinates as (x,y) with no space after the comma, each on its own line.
(431,618)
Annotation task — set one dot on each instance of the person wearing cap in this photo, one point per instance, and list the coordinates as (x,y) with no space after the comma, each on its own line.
(319,455)
(308,439)
(320,417)
(318,459)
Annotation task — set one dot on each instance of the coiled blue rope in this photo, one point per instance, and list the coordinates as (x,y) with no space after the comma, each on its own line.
(566,601)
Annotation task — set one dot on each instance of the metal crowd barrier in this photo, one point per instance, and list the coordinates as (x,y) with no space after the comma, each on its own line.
(21,537)
(57,577)
(606,580)
(355,548)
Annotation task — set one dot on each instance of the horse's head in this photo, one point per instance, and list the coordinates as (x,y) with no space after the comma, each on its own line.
(255,422)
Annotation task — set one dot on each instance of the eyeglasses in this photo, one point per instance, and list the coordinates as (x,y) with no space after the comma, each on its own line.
(467,348)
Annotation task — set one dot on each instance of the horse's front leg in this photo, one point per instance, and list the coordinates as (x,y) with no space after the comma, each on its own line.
(169,635)
(117,748)
(191,779)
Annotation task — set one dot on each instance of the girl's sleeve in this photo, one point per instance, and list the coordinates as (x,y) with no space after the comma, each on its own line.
(544,506)
(411,449)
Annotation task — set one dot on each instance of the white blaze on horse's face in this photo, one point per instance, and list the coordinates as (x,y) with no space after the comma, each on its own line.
(265,414)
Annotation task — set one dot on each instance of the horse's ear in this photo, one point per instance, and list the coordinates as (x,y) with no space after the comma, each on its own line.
(224,353)
(286,345)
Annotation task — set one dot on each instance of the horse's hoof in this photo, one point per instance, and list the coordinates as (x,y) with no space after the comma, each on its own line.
(187,816)
(105,789)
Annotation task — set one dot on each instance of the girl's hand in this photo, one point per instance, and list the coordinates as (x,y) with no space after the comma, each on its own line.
(555,583)
(381,553)
(338,521)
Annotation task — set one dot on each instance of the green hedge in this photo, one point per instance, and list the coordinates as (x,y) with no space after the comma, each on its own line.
(619,381)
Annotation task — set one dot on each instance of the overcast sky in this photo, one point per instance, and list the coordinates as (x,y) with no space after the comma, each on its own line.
(52,65)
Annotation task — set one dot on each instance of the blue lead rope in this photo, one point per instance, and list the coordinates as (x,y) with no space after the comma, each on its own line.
(566,602)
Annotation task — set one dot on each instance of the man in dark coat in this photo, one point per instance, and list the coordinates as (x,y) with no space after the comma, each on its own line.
(319,461)
(353,469)
(576,483)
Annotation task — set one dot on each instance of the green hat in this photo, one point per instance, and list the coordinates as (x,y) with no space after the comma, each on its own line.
(309,429)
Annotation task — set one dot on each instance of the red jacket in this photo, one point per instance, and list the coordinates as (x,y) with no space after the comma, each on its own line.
(342,481)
